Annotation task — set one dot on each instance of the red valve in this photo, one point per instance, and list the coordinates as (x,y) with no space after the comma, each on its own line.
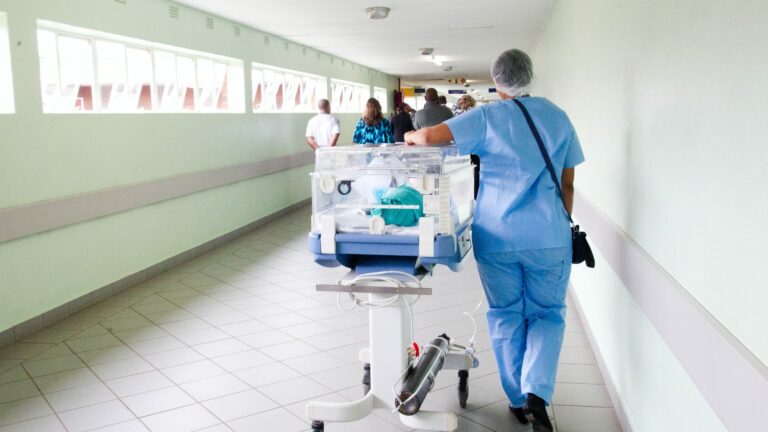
(416,349)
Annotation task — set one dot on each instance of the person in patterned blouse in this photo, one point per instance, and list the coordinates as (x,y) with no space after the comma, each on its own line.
(373,128)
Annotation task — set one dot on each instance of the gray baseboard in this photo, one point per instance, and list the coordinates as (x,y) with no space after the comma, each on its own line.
(56,314)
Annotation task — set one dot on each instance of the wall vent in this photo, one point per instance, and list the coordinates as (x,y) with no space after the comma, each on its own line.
(209,23)
(237,31)
(266,40)
(173,12)
(122,2)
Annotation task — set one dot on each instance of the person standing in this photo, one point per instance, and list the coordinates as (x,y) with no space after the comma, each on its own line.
(521,230)
(373,128)
(401,123)
(323,130)
(433,113)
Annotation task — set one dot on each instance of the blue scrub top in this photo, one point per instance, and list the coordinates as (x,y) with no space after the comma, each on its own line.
(518,207)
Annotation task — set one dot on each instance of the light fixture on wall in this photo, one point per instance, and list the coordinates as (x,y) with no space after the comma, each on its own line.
(436,61)
(377,12)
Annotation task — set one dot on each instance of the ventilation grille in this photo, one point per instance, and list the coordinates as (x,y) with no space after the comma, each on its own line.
(122,2)
(266,40)
(237,31)
(173,12)
(209,23)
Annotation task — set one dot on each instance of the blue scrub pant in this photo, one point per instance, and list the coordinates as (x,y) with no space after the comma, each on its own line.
(526,318)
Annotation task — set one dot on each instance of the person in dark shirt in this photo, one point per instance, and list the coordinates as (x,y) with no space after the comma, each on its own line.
(401,122)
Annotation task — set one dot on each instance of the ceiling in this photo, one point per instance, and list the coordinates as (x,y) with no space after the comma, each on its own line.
(466,35)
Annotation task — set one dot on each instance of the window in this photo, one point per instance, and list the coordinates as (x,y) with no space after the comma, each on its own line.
(381,94)
(6,81)
(349,97)
(282,90)
(85,71)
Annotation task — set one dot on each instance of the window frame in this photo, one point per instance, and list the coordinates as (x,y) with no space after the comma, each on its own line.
(265,70)
(234,71)
(351,85)
(384,101)
(7,100)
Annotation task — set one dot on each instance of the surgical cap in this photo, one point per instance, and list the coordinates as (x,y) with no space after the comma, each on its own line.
(512,72)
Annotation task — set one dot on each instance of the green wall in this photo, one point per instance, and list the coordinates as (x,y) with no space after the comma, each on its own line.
(49,156)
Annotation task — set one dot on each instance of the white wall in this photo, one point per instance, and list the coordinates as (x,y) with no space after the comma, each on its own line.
(669,99)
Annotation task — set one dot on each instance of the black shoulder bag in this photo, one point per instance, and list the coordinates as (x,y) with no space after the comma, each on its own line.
(581,250)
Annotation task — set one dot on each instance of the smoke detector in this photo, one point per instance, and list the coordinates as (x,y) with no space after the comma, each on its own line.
(377,12)
(426,51)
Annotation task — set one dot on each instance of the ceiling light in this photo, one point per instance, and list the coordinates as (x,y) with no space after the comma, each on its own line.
(377,12)
(436,61)
(426,51)
(448,68)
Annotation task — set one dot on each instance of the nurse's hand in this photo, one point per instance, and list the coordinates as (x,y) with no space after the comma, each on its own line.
(408,138)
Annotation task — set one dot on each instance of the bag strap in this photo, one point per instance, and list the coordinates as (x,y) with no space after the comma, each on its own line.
(544,153)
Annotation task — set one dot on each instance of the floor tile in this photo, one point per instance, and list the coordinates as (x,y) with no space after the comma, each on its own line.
(243,328)
(193,371)
(43,424)
(93,343)
(202,336)
(242,360)
(16,390)
(154,346)
(294,390)
(586,419)
(579,374)
(288,350)
(156,401)
(139,383)
(589,395)
(53,365)
(107,355)
(275,420)
(129,426)
(25,409)
(95,416)
(122,368)
(267,374)
(577,355)
(314,363)
(15,373)
(215,387)
(79,397)
(221,348)
(265,339)
(66,380)
(239,405)
(23,350)
(185,419)
(174,357)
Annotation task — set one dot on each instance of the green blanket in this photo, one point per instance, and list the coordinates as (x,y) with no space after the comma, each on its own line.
(401,195)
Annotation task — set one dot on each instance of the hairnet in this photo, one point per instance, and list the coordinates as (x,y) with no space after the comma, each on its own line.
(512,72)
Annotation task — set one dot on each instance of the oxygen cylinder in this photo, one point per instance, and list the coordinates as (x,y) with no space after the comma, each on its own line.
(421,378)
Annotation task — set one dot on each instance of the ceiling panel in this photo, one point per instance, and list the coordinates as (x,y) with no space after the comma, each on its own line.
(466,35)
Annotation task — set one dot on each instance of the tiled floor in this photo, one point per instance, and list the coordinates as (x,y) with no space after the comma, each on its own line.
(238,340)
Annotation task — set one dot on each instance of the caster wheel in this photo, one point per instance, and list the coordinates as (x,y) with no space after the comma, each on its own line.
(318,426)
(366,378)
(463,388)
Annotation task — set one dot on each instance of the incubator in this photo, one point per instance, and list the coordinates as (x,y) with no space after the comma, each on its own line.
(391,213)
(393,200)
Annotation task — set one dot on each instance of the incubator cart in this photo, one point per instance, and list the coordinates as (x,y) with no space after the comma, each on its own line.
(352,226)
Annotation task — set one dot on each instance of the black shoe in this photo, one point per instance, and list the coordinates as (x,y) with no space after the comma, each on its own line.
(519,414)
(536,410)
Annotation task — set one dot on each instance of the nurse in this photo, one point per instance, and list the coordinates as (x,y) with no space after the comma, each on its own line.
(521,231)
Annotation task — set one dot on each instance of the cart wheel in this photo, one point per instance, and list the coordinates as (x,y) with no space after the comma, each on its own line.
(463,388)
(366,378)
(318,426)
